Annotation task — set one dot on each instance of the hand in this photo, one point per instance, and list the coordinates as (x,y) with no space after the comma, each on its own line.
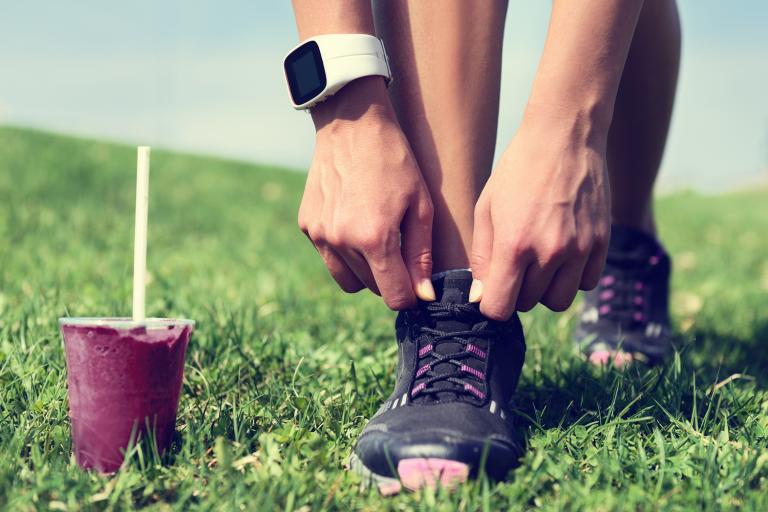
(542,222)
(366,207)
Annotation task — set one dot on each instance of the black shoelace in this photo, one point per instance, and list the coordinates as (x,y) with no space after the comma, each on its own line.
(466,380)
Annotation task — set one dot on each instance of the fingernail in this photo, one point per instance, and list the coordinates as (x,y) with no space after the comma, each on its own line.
(475,291)
(425,291)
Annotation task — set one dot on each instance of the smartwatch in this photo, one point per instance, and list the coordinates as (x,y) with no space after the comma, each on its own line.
(320,66)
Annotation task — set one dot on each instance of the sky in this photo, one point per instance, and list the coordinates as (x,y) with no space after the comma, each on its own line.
(205,76)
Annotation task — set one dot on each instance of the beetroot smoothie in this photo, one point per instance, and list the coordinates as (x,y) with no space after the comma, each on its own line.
(122,376)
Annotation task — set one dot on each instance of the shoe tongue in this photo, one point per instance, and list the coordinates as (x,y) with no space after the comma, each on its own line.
(625,238)
(452,287)
(632,243)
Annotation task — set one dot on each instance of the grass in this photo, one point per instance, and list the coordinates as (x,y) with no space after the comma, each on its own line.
(284,369)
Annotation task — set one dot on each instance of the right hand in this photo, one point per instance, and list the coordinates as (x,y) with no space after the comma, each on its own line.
(366,207)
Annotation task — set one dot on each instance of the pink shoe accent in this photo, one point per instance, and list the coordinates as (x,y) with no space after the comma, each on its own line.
(474,349)
(622,359)
(606,295)
(472,371)
(607,280)
(418,387)
(390,488)
(418,473)
(472,389)
(424,369)
(600,357)
(426,349)
(604,309)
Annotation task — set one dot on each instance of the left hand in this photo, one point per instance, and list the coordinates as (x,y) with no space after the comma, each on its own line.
(542,222)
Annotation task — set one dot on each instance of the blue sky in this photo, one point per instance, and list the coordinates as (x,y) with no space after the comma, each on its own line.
(204,76)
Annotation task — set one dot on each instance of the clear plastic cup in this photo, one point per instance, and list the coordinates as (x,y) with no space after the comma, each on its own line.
(124,380)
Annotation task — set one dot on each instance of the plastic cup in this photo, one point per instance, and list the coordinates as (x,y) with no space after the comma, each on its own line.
(124,381)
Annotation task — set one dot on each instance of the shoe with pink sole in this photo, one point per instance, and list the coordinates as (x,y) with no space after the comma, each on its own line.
(449,418)
(626,318)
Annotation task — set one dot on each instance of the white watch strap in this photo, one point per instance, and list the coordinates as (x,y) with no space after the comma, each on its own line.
(347,57)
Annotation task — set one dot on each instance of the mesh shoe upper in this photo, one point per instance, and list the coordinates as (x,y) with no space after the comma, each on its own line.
(456,374)
(629,307)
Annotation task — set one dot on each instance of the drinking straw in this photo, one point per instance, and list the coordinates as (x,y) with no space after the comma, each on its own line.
(140,234)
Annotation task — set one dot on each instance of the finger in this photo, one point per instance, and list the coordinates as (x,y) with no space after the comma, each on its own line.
(339,270)
(501,287)
(536,281)
(482,245)
(359,266)
(594,267)
(417,248)
(390,273)
(564,286)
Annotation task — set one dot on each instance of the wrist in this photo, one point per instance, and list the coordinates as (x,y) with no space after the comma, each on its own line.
(584,122)
(362,99)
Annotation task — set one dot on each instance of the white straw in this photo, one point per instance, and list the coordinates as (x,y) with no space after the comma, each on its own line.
(140,235)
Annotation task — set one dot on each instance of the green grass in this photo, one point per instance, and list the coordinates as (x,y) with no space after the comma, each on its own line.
(284,369)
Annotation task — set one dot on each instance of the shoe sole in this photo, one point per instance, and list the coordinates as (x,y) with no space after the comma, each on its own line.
(618,357)
(414,474)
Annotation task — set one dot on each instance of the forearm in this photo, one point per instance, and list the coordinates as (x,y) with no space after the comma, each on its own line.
(316,17)
(580,69)
(364,98)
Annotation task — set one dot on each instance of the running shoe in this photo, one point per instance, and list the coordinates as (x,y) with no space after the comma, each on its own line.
(448,418)
(626,317)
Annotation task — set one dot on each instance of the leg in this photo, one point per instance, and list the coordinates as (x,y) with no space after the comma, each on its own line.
(611,328)
(446,60)
(642,114)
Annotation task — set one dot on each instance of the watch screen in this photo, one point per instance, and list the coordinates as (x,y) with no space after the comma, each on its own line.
(305,73)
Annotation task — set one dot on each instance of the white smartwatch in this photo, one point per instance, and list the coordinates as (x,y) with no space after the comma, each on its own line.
(320,66)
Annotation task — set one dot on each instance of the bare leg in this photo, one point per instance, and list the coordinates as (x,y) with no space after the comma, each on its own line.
(642,114)
(636,143)
(446,60)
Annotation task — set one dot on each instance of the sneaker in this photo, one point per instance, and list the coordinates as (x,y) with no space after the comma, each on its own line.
(449,417)
(626,317)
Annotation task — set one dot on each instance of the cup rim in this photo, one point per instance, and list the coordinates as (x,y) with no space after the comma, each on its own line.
(124,322)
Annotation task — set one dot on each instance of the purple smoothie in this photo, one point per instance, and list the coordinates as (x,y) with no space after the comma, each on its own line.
(122,374)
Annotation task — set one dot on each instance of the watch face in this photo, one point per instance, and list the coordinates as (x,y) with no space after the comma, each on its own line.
(305,72)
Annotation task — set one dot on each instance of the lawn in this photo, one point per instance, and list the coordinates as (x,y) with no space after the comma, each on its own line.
(283,368)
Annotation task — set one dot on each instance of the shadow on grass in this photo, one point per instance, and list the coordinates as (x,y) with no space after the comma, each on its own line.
(691,386)
(577,393)
(726,355)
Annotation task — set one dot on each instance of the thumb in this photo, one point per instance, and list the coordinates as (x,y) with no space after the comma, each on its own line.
(416,238)
(482,244)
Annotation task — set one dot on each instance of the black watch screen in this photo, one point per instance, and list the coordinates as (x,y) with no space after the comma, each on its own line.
(305,72)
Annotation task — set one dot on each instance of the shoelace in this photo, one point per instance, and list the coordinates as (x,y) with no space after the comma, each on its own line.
(430,338)
(622,296)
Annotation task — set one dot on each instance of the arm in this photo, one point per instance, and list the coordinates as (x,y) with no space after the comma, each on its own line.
(584,55)
(542,222)
(365,208)
(314,18)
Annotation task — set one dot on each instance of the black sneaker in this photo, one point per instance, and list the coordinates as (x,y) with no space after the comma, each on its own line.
(626,317)
(449,414)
